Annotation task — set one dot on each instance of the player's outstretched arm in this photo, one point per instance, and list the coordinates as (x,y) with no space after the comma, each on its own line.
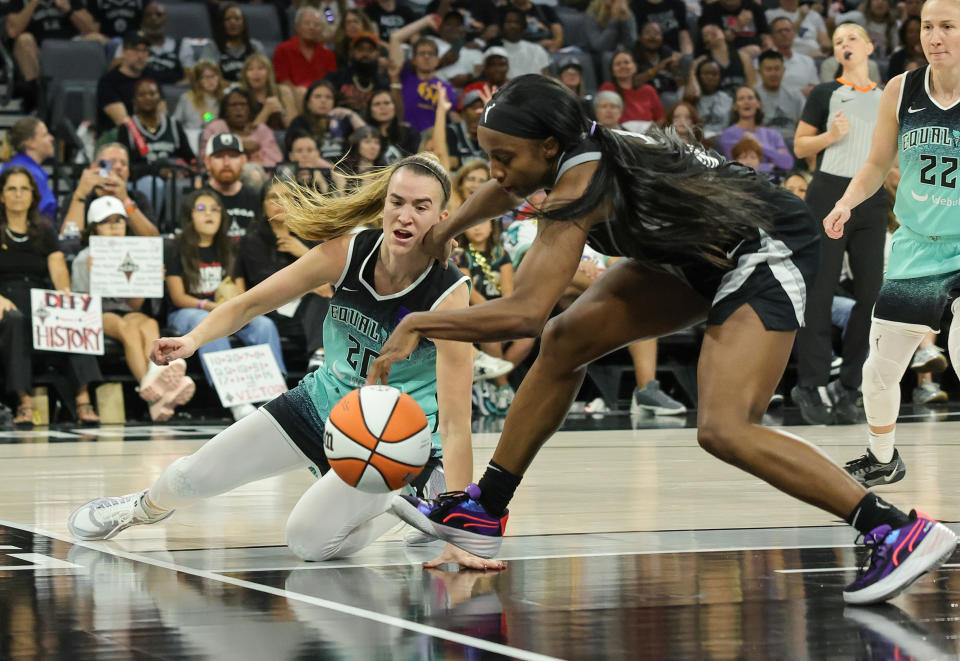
(872,173)
(490,201)
(322,264)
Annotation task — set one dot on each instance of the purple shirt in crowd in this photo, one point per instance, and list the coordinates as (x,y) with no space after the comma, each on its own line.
(775,152)
(420,99)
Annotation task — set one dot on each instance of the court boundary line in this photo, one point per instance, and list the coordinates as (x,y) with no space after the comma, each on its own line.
(379,618)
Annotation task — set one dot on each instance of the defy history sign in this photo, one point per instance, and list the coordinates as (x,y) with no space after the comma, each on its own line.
(66,322)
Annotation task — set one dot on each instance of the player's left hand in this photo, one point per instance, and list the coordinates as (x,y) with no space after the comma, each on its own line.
(453,555)
(398,346)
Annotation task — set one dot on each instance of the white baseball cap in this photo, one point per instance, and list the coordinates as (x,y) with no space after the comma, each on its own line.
(104,207)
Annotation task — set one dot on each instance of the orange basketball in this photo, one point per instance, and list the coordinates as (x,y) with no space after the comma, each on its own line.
(377,439)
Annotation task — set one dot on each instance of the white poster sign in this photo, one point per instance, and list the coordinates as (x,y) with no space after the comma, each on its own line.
(66,322)
(245,375)
(126,266)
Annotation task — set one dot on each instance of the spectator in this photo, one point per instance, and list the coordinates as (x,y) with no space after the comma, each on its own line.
(231,44)
(364,153)
(28,144)
(800,73)
(812,38)
(640,103)
(570,73)
(481,19)
(459,60)
(742,21)
(236,116)
(541,23)
(747,152)
(200,104)
(163,64)
(495,71)
(116,18)
(400,138)
(274,105)
(714,105)
(29,22)
(268,247)
(524,56)
(610,25)
(389,16)
(116,87)
(797,183)
(483,259)
(685,120)
(163,388)
(417,78)
(658,65)
(329,125)
(108,175)
(909,37)
(354,22)
(671,16)
(152,137)
(470,176)
(309,169)
(878,18)
(198,262)
(736,67)
(782,106)
(224,161)
(608,108)
(30,257)
(747,118)
(357,80)
(462,136)
(302,59)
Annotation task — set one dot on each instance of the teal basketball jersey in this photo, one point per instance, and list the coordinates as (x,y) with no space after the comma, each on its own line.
(360,320)
(928,149)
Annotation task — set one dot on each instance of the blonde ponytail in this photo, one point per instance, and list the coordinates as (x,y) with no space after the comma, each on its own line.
(315,216)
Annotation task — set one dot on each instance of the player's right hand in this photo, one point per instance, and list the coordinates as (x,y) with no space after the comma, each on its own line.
(835,220)
(167,349)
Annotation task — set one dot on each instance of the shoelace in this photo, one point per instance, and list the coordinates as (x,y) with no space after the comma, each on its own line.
(114,512)
(877,551)
(859,465)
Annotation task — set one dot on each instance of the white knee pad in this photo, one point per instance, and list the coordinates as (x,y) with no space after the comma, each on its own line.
(953,338)
(892,345)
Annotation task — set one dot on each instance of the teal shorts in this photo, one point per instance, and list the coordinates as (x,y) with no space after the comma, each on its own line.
(914,255)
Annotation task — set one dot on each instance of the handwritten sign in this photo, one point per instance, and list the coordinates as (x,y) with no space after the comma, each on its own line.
(245,375)
(68,323)
(126,266)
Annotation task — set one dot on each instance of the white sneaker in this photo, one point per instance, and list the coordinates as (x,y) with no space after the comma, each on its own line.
(103,518)
(929,359)
(486,366)
(596,405)
(241,411)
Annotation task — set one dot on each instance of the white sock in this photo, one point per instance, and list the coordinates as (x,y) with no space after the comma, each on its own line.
(150,509)
(152,368)
(881,445)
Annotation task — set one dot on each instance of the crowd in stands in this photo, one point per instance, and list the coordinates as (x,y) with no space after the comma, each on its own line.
(194,127)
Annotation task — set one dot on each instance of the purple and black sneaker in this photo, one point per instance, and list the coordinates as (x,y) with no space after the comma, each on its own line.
(455,517)
(898,557)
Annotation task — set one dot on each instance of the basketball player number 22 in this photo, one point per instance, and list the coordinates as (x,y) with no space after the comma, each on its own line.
(369,355)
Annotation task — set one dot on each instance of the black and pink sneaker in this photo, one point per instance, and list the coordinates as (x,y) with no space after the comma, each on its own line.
(455,517)
(898,557)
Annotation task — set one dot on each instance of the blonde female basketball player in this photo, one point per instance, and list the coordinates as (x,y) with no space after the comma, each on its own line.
(380,275)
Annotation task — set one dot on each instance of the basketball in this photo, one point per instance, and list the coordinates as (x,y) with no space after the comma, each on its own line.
(377,439)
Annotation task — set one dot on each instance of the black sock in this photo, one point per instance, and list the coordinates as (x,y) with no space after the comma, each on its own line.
(496,489)
(873,511)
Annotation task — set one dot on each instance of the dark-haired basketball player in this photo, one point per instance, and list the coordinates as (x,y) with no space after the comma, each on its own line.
(704,239)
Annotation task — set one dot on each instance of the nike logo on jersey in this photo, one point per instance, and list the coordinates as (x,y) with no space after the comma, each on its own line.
(344,288)
(911,109)
(735,249)
(845,100)
(919,198)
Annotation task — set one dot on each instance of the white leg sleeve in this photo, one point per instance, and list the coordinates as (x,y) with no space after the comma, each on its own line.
(333,519)
(251,449)
(953,338)
(891,347)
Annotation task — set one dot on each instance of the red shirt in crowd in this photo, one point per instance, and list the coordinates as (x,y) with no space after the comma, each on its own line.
(290,66)
(641,104)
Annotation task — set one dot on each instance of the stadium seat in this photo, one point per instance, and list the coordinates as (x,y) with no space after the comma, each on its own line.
(72,60)
(188,20)
(263,21)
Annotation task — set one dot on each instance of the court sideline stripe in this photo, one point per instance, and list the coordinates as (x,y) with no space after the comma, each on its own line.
(373,616)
